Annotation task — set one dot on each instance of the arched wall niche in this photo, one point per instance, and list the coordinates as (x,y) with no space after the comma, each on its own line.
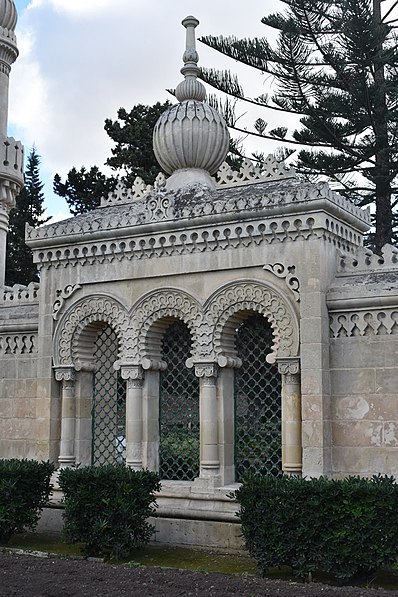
(233,303)
(153,314)
(77,330)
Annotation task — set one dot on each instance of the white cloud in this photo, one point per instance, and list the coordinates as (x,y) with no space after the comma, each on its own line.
(80,60)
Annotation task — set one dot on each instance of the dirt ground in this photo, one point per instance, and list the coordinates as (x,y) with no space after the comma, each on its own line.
(24,576)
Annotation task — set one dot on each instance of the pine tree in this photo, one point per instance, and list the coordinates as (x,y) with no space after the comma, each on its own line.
(335,65)
(133,155)
(132,132)
(20,268)
(83,189)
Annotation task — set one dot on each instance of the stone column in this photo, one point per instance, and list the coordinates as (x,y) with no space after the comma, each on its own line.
(67,376)
(134,376)
(291,415)
(209,457)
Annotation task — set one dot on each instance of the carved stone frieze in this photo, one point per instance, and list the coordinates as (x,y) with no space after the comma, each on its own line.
(18,344)
(62,296)
(82,319)
(349,324)
(222,314)
(286,273)
(204,239)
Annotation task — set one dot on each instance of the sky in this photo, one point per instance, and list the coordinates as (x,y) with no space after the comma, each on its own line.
(81,60)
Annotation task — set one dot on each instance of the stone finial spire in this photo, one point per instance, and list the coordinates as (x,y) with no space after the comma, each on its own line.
(190,139)
(190,88)
(11,151)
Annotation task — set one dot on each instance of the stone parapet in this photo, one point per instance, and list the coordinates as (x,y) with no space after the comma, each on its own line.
(18,295)
(364,261)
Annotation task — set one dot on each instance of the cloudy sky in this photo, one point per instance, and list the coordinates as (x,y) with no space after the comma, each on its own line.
(80,60)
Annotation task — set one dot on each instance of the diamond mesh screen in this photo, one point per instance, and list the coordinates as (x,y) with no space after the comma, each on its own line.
(257,401)
(179,408)
(109,403)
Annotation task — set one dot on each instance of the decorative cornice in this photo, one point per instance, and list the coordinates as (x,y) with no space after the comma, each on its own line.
(365,322)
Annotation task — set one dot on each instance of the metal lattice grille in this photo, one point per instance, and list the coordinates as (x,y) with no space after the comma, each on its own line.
(109,403)
(257,401)
(179,408)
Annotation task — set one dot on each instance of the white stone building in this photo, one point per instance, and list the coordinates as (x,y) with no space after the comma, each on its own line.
(218,323)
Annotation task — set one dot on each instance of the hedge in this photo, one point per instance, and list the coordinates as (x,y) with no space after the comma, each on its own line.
(24,491)
(344,527)
(106,508)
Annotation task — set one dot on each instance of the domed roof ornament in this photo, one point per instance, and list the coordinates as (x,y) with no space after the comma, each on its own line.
(8,15)
(190,139)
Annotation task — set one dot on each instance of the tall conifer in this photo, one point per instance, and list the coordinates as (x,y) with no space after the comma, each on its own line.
(335,64)
(20,268)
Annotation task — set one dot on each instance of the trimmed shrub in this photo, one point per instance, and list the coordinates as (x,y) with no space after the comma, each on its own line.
(106,508)
(24,491)
(346,528)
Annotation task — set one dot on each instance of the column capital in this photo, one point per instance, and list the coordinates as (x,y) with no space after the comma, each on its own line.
(206,371)
(65,373)
(289,365)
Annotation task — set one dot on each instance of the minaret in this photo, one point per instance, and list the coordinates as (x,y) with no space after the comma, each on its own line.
(190,139)
(11,151)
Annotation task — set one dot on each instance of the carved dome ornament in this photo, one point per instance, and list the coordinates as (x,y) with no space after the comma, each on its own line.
(8,15)
(190,139)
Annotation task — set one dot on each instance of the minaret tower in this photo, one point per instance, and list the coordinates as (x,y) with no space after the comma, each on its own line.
(11,151)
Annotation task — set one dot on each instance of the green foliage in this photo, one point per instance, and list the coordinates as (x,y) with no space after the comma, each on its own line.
(132,132)
(24,491)
(133,155)
(107,507)
(83,189)
(179,451)
(20,268)
(347,527)
(334,65)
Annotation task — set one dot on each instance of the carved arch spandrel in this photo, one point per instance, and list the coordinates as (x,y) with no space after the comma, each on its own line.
(77,329)
(152,314)
(229,305)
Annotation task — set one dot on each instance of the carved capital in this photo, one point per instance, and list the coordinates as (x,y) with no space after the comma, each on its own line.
(132,372)
(289,366)
(207,371)
(65,374)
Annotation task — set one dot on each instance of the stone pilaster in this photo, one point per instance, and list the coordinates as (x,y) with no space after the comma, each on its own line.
(134,376)
(291,415)
(67,376)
